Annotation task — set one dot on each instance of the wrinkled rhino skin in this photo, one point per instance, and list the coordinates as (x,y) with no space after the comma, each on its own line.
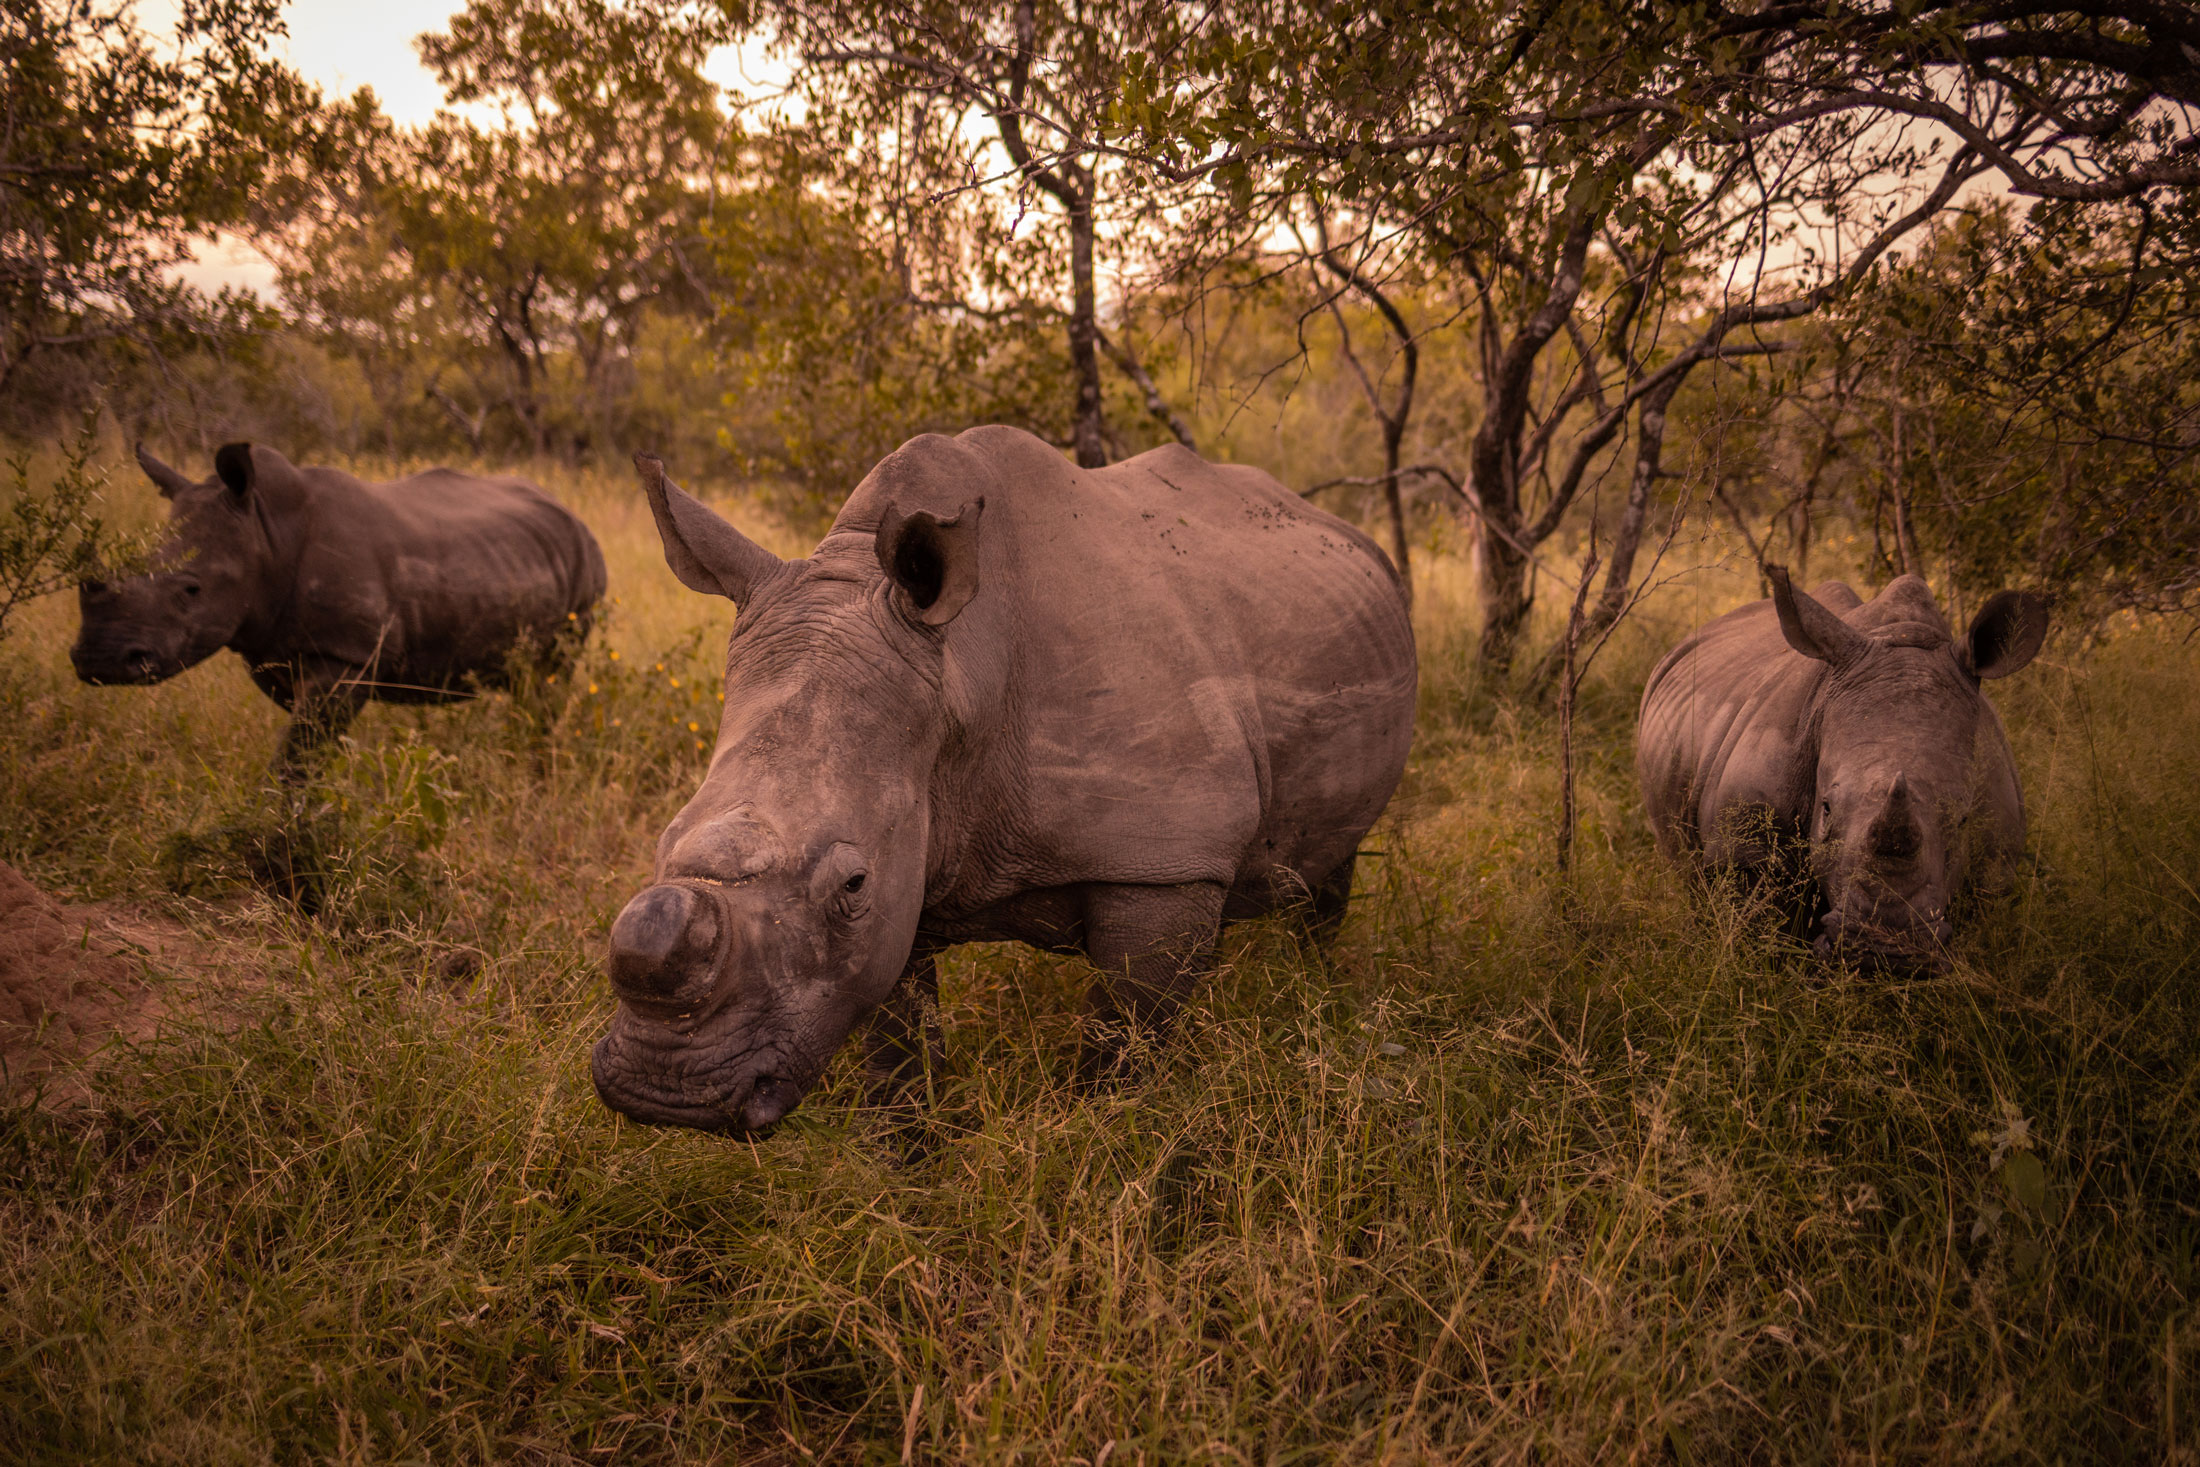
(1844,749)
(1098,711)
(336,591)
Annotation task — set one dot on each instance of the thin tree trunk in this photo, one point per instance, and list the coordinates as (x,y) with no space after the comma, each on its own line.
(1088,431)
(1399,550)
(1074,188)
(1619,577)
(1505,594)
(1905,542)
(1393,418)
(1799,513)
(1569,678)
(1156,404)
(1619,580)
(471,425)
(1503,588)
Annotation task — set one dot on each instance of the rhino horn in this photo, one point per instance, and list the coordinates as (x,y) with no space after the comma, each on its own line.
(1810,627)
(706,553)
(1898,797)
(168,481)
(1894,833)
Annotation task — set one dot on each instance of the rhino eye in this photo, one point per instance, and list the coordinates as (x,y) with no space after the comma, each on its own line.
(191,590)
(853,884)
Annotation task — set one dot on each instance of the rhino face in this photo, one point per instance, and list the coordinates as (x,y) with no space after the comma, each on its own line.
(1900,795)
(787,892)
(1893,795)
(148,628)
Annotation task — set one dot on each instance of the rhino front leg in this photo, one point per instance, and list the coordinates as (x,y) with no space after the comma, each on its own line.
(907,1057)
(321,707)
(1151,945)
(906,1051)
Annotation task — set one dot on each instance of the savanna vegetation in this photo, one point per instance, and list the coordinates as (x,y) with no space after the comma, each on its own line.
(1584,311)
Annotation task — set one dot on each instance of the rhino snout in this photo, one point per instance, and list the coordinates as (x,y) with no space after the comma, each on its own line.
(719,1081)
(130,665)
(664,946)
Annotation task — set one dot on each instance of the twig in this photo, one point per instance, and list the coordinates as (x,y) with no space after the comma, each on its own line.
(1568,680)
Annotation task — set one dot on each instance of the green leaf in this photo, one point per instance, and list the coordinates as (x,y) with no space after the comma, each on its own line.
(2026,1180)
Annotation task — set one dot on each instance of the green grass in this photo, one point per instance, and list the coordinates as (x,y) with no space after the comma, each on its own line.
(1531,1170)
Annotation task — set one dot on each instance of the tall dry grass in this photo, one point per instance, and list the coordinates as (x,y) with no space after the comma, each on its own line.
(1530,1170)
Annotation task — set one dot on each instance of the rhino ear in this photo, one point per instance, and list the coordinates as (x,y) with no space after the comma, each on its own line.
(169,482)
(932,562)
(1810,628)
(233,462)
(2006,634)
(706,553)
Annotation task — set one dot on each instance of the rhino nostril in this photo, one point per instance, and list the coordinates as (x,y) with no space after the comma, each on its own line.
(664,942)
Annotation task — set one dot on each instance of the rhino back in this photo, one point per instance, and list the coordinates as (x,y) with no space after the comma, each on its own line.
(435,577)
(1724,726)
(1202,677)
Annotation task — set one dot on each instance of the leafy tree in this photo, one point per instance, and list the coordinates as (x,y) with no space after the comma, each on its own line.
(1607,179)
(916,83)
(1392,410)
(540,244)
(115,154)
(52,535)
(838,315)
(2018,403)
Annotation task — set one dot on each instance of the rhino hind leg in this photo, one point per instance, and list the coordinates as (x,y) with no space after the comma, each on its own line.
(1151,946)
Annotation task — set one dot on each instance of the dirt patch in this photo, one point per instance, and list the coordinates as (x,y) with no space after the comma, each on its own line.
(72,977)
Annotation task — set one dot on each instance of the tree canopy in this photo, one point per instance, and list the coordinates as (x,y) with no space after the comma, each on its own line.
(1530,259)
(117,152)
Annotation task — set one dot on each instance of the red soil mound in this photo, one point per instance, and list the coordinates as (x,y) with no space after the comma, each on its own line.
(71,977)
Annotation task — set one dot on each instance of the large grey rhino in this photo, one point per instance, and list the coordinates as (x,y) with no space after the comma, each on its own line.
(1845,749)
(1098,711)
(336,591)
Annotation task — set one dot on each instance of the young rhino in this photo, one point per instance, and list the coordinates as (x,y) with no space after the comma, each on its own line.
(1005,699)
(336,591)
(1844,749)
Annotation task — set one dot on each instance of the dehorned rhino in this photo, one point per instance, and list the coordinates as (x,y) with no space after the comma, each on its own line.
(1844,749)
(336,591)
(1098,711)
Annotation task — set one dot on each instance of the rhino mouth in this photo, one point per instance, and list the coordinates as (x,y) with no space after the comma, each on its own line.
(1908,948)
(131,668)
(660,1078)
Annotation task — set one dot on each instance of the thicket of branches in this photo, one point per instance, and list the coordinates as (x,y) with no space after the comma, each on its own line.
(1457,262)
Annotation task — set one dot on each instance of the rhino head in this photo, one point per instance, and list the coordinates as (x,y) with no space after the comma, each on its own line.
(205,579)
(787,892)
(1908,754)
